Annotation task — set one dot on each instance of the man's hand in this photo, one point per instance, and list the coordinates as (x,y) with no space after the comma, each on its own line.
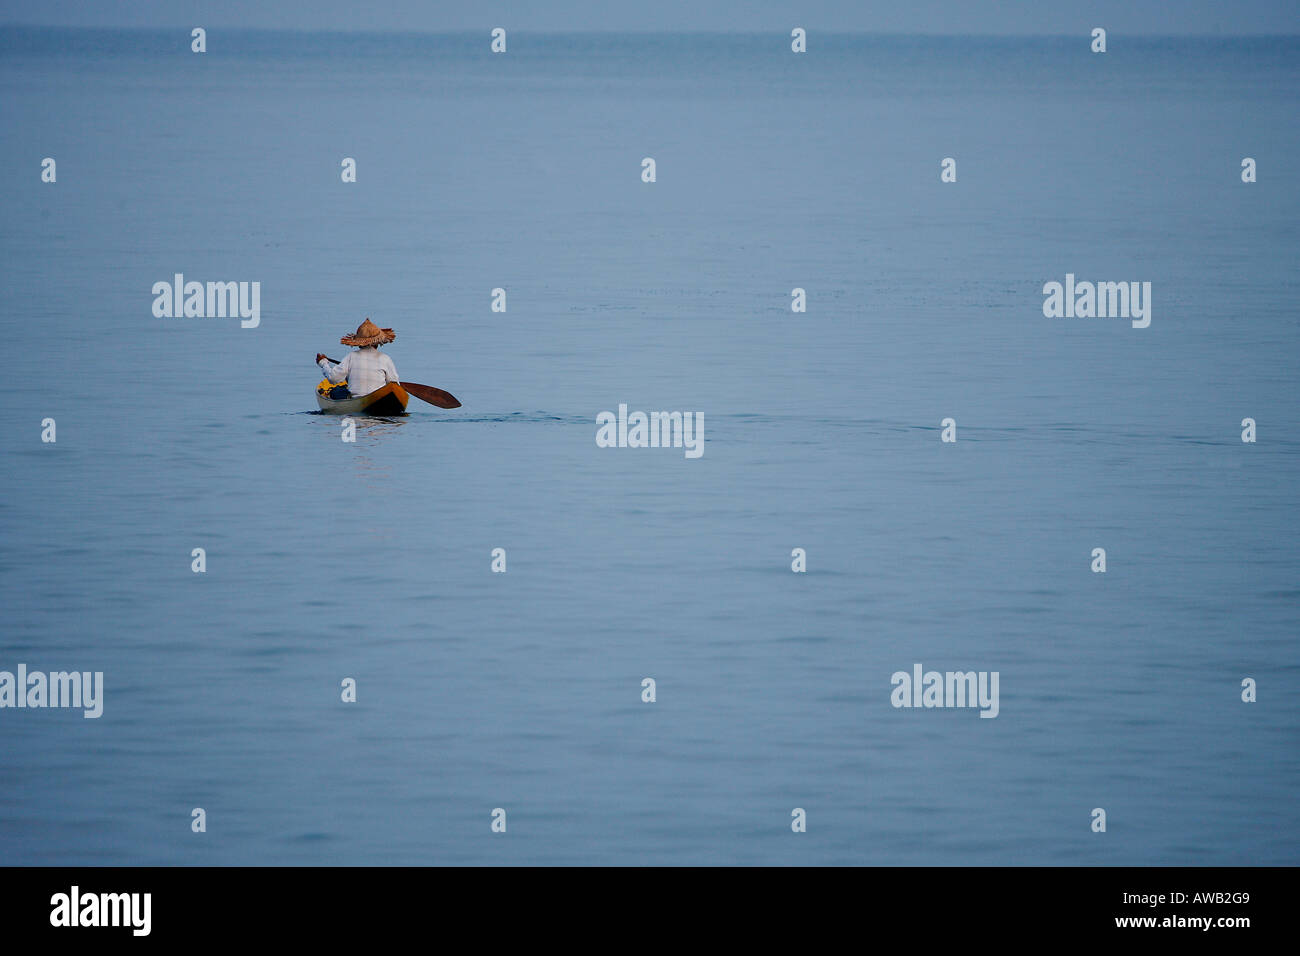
(319,356)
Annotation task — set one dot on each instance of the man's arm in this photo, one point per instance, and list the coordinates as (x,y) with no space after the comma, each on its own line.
(335,373)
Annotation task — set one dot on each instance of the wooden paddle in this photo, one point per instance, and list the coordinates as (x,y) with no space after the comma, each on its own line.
(434,396)
(427,393)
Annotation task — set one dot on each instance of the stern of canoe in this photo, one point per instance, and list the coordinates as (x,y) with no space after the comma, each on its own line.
(391,399)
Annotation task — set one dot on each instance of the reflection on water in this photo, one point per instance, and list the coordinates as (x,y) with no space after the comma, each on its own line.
(369,434)
(374,426)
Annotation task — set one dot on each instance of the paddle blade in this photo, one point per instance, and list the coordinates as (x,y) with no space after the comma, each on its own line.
(434,396)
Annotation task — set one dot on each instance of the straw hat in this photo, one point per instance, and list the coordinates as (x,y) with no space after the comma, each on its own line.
(368,333)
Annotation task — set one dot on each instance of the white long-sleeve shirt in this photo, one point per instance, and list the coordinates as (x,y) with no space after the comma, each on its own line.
(364,370)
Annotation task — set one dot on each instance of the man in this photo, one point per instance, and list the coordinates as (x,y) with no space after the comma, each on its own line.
(366,369)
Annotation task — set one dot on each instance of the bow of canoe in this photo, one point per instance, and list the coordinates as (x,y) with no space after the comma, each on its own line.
(391,399)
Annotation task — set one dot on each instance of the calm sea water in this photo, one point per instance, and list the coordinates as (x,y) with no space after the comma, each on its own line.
(476,690)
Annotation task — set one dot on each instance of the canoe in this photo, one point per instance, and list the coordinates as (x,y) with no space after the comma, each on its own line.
(391,399)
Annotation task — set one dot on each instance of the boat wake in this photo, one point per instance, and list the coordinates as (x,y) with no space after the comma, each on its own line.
(413,417)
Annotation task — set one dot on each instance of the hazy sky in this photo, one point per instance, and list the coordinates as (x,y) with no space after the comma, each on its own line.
(898,16)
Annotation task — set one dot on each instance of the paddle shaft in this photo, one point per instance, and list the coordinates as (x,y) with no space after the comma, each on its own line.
(426,393)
